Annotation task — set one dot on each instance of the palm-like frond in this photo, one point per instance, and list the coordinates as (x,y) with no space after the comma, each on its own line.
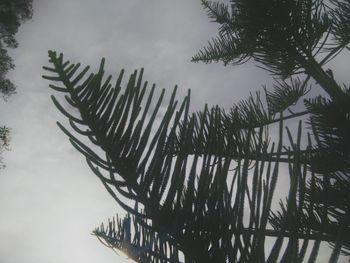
(203,203)
(287,37)
(114,122)
(326,194)
(224,134)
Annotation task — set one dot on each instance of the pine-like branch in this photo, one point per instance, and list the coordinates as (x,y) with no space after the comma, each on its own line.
(197,200)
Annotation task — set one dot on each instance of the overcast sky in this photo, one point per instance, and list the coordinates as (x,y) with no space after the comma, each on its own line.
(49,199)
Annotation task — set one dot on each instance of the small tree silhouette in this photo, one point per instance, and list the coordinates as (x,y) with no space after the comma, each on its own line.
(203,184)
(12,13)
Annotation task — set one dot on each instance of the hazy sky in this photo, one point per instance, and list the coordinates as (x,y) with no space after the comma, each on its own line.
(49,199)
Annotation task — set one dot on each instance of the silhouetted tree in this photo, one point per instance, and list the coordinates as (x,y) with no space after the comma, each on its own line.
(4,142)
(288,38)
(12,14)
(203,184)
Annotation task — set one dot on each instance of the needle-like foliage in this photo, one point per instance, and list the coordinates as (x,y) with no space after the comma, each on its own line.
(203,186)
(284,37)
(210,205)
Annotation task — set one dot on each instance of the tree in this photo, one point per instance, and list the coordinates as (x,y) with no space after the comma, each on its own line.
(12,14)
(4,141)
(289,38)
(203,183)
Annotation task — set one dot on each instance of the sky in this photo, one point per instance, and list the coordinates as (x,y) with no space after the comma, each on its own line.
(49,199)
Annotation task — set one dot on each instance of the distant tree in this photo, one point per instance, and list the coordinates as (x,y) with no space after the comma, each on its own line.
(12,14)
(203,184)
(4,142)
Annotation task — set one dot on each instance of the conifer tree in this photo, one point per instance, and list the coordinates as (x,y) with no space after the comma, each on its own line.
(202,184)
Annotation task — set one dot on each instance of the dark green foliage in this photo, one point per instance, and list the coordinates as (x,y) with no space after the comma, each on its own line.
(4,137)
(188,197)
(4,141)
(12,14)
(285,95)
(330,162)
(7,88)
(203,184)
(142,246)
(275,33)
(340,16)
(287,38)
(331,123)
(284,37)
